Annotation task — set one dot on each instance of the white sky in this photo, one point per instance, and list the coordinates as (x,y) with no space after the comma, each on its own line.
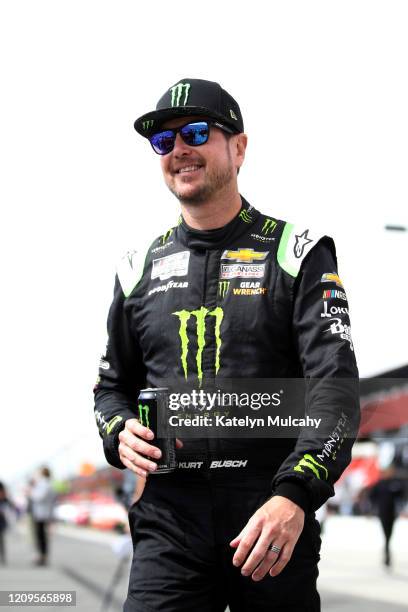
(323,89)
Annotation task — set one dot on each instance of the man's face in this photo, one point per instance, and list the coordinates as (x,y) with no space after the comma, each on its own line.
(195,174)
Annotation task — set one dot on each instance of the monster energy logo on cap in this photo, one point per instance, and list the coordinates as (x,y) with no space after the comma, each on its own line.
(269,226)
(147,124)
(144,415)
(223,287)
(200,316)
(177,92)
(310,462)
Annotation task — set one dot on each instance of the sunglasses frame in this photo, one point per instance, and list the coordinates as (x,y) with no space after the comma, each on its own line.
(210,123)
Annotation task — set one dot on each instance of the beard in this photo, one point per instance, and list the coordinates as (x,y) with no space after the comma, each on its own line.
(216,181)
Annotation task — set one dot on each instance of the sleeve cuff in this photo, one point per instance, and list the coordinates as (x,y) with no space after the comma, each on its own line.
(296,493)
(110,448)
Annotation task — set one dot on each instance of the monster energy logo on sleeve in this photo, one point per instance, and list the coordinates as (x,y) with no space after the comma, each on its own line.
(223,287)
(177,92)
(200,316)
(245,216)
(269,226)
(144,415)
(310,462)
(147,124)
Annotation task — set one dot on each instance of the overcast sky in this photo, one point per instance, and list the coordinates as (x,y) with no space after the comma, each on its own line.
(323,90)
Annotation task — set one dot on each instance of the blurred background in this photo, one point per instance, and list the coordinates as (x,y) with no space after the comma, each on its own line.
(323,90)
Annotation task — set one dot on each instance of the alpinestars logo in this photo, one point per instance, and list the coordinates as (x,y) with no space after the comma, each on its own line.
(269,226)
(301,242)
(177,92)
(200,317)
(311,464)
(144,415)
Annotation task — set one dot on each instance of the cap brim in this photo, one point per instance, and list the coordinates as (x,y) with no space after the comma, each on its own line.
(145,128)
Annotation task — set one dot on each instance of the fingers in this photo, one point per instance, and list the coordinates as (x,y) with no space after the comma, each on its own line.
(247,539)
(134,452)
(269,561)
(135,427)
(260,555)
(283,558)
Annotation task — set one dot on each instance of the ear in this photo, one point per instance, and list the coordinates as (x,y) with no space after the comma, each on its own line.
(241,142)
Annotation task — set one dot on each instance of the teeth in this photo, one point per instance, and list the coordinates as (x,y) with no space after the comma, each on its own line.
(188,169)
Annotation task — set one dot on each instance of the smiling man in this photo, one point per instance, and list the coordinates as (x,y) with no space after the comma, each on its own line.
(226,293)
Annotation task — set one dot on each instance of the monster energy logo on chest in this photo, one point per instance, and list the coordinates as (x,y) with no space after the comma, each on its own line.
(269,226)
(177,92)
(200,316)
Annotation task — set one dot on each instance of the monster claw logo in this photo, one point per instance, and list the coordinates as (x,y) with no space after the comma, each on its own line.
(310,462)
(110,426)
(144,415)
(269,226)
(223,287)
(245,216)
(147,124)
(200,316)
(177,92)
(166,236)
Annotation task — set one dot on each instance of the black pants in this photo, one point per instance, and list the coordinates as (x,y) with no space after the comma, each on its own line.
(41,537)
(181,530)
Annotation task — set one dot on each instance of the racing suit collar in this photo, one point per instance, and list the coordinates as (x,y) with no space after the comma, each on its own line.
(216,238)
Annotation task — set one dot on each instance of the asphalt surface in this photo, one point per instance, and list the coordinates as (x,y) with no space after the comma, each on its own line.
(351,575)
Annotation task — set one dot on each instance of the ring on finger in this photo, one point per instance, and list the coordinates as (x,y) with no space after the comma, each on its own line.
(274,548)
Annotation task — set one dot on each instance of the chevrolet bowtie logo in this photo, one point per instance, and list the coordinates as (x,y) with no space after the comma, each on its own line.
(244,255)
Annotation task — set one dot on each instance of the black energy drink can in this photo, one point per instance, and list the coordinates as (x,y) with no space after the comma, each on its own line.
(153,412)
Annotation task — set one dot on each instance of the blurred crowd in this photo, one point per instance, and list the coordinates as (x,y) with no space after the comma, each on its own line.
(383,493)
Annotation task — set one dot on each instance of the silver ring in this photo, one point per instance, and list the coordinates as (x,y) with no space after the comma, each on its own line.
(274,548)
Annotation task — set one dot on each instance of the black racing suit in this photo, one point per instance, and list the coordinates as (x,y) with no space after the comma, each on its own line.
(258,299)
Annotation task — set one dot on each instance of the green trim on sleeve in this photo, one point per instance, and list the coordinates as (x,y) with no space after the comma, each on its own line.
(282,251)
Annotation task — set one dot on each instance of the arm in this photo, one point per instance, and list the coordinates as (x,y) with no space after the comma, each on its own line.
(305,479)
(121,376)
(327,356)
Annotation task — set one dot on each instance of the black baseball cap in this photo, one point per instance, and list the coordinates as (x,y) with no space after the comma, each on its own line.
(192,97)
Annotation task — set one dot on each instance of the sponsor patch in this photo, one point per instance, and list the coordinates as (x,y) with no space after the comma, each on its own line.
(331,277)
(244,255)
(172,265)
(337,327)
(242,271)
(302,240)
(263,239)
(333,310)
(249,288)
(170,285)
(159,249)
(334,294)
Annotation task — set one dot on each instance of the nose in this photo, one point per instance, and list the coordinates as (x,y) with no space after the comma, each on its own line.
(180,147)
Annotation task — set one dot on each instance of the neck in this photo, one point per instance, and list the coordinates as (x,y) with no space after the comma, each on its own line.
(213,213)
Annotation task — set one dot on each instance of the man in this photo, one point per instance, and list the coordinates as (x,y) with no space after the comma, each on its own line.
(42,499)
(227,293)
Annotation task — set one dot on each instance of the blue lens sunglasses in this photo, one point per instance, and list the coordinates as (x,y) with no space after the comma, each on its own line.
(194,134)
